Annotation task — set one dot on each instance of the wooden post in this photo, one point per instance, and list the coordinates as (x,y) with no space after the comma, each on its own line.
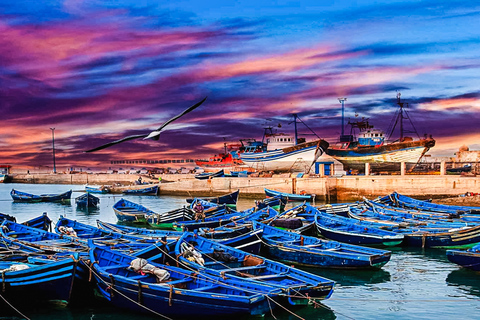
(443,169)
(402,168)
(367,169)
(321,168)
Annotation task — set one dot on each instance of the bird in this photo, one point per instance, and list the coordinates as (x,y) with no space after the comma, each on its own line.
(154,135)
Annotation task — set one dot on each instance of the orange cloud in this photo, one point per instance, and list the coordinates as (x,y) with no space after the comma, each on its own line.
(464,104)
(280,63)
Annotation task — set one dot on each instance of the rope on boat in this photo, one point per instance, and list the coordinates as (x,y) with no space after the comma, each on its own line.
(271,311)
(11,306)
(124,296)
(251,291)
(228,285)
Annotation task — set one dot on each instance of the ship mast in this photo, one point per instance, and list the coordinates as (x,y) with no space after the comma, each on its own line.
(402,114)
(295,118)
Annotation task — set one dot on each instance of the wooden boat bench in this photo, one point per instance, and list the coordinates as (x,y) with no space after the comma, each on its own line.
(269,276)
(244,268)
(17,233)
(54,243)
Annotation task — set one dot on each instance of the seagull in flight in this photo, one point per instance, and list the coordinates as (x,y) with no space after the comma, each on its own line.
(154,135)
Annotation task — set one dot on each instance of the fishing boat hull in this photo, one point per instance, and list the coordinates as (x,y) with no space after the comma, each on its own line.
(403,201)
(288,196)
(349,231)
(453,239)
(87,200)
(209,175)
(20,196)
(182,296)
(153,190)
(101,189)
(466,258)
(297,158)
(298,285)
(308,251)
(385,157)
(228,199)
(128,211)
(39,283)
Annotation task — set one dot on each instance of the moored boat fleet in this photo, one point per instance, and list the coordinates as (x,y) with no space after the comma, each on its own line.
(224,261)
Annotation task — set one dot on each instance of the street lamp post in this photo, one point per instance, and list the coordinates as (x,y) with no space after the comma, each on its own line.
(342,101)
(53,148)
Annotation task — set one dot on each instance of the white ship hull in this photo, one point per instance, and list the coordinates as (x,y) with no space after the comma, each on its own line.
(294,159)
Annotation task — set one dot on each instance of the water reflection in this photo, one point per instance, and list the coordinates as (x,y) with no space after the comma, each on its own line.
(468,281)
(352,277)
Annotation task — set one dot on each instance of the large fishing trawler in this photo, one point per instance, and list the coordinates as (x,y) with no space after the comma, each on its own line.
(373,147)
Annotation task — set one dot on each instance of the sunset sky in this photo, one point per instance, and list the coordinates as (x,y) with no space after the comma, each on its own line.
(97,71)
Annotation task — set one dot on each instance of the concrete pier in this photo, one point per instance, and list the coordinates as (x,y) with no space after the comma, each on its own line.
(327,188)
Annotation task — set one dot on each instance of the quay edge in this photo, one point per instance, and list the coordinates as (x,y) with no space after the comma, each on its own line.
(328,188)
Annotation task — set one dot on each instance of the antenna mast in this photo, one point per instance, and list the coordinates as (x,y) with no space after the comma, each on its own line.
(400,115)
(342,101)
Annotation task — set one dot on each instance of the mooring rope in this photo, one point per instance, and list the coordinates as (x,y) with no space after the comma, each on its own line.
(11,306)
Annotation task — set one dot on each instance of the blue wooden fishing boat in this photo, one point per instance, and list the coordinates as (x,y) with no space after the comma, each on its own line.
(87,200)
(420,215)
(20,196)
(222,216)
(209,175)
(97,189)
(426,234)
(299,219)
(227,199)
(298,285)
(131,212)
(289,196)
(456,238)
(303,250)
(469,258)
(42,222)
(250,241)
(8,217)
(151,190)
(242,237)
(82,231)
(403,201)
(353,231)
(224,231)
(14,233)
(183,294)
(169,219)
(28,284)
(229,219)
(139,232)
(383,214)
(278,203)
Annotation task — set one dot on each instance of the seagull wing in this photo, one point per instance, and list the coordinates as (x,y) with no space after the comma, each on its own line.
(196,105)
(137,136)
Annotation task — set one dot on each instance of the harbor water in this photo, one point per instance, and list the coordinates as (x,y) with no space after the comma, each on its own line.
(415,284)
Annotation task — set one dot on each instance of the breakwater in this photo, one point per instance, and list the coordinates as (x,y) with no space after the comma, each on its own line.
(330,189)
